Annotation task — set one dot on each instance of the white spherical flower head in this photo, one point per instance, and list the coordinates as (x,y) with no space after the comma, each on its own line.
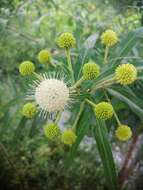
(52,95)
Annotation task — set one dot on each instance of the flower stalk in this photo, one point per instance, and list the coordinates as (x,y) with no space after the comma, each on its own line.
(90,103)
(70,64)
(58,117)
(104,84)
(106,55)
(78,115)
(78,83)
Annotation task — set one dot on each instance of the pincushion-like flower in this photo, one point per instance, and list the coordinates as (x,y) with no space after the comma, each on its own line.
(29,110)
(90,71)
(104,110)
(109,38)
(44,56)
(52,131)
(66,40)
(26,68)
(126,74)
(52,95)
(68,137)
(123,133)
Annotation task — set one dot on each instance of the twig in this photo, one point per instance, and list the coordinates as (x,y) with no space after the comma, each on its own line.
(124,173)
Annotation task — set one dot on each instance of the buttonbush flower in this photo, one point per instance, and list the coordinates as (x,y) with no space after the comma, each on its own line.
(26,68)
(52,131)
(68,137)
(126,74)
(66,40)
(44,56)
(50,94)
(109,38)
(29,110)
(90,71)
(104,110)
(123,133)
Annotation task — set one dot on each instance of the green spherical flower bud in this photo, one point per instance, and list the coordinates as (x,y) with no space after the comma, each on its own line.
(90,71)
(44,56)
(66,40)
(123,133)
(52,131)
(29,110)
(26,68)
(104,110)
(109,38)
(68,137)
(126,74)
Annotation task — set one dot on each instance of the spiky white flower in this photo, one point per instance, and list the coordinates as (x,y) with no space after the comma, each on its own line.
(52,95)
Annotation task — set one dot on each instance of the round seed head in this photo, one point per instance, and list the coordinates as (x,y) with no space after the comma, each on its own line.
(68,137)
(104,110)
(109,38)
(52,131)
(66,40)
(44,56)
(126,74)
(29,110)
(26,68)
(90,71)
(123,133)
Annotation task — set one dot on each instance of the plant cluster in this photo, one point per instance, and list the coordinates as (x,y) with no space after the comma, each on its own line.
(82,99)
(50,94)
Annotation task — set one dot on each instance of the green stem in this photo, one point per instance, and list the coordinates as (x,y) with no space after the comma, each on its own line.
(104,84)
(58,116)
(78,115)
(116,117)
(78,83)
(70,64)
(90,102)
(106,55)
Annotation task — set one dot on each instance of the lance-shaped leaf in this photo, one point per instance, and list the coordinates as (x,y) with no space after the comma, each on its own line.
(126,44)
(103,145)
(129,101)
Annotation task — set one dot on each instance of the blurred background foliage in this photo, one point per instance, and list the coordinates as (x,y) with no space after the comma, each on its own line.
(26,27)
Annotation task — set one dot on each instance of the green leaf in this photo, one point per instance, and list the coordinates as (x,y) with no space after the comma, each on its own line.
(83,126)
(36,124)
(126,45)
(130,102)
(20,128)
(103,145)
(90,41)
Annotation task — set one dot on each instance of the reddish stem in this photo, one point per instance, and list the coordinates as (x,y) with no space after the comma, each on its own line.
(124,173)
